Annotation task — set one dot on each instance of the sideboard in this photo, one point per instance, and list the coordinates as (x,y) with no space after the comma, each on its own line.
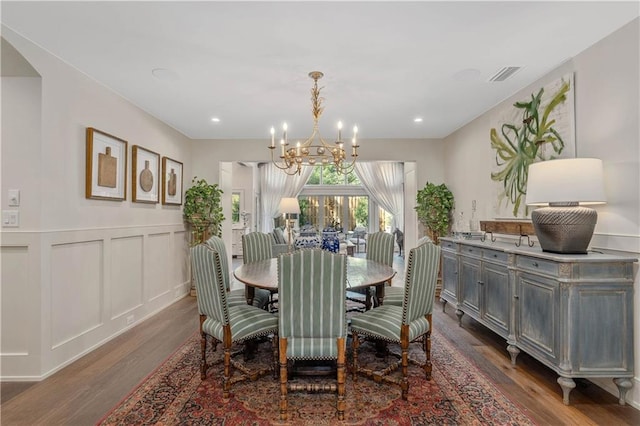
(573,313)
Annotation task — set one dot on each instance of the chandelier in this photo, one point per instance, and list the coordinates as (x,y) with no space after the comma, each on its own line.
(315,150)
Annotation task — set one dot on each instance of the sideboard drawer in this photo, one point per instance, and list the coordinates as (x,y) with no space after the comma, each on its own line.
(471,251)
(495,255)
(448,245)
(535,264)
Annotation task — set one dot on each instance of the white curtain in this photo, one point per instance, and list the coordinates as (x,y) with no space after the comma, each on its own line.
(275,184)
(384,182)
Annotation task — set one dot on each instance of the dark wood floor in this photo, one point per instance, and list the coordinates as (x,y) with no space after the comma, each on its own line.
(83,392)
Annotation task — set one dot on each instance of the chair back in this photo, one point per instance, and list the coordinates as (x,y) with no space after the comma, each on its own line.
(420,282)
(380,248)
(217,244)
(207,267)
(256,246)
(312,294)
(424,240)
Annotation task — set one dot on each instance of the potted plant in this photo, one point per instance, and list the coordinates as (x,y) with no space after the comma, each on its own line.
(435,204)
(202,209)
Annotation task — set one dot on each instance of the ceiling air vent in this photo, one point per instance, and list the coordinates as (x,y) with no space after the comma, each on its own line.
(504,73)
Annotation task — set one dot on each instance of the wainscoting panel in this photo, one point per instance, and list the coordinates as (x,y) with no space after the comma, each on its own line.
(181,260)
(67,292)
(126,275)
(76,289)
(157,266)
(15,272)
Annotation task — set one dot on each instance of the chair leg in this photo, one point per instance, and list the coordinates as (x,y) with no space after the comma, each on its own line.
(283,378)
(226,381)
(404,385)
(274,348)
(355,344)
(341,378)
(203,362)
(427,351)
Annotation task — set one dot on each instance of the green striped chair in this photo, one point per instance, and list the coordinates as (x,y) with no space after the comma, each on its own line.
(257,246)
(380,249)
(224,323)
(402,324)
(395,295)
(312,316)
(237,296)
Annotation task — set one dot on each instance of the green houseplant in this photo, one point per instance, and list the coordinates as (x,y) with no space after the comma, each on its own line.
(202,209)
(434,206)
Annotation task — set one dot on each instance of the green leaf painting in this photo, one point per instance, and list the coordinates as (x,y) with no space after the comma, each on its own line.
(532,137)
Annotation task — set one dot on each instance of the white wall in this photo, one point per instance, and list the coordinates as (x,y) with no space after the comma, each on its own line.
(607,93)
(77,272)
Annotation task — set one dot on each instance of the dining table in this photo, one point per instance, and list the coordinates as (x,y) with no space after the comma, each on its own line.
(361,273)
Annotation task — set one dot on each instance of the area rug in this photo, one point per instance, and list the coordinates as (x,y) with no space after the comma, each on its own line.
(458,394)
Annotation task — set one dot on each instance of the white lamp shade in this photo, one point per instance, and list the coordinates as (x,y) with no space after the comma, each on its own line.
(572,180)
(289,206)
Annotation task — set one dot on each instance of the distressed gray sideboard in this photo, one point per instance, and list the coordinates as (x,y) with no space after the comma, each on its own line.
(573,313)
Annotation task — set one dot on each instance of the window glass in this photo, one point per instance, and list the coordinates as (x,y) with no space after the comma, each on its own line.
(314,179)
(309,210)
(235,207)
(384,220)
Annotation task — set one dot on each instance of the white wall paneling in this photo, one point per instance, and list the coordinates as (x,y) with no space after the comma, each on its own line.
(77,296)
(93,286)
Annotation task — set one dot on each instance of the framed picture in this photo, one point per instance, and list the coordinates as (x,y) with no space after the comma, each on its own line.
(106,166)
(145,171)
(171,181)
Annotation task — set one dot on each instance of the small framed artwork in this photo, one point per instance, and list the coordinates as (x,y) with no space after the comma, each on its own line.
(145,170)
(106,166)
(171,181)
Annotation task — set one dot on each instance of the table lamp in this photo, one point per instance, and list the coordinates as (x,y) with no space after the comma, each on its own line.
(564,186)
(289,206)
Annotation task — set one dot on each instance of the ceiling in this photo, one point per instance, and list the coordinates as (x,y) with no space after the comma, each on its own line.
(247,63)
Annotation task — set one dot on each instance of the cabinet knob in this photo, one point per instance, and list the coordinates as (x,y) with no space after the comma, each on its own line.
(516,297)
(535,264)
(481,282)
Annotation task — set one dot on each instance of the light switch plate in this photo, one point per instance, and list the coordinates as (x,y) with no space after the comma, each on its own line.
(14,197)
(10,218)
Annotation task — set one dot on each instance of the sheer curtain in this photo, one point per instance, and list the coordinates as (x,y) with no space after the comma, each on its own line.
(384,182)
(274,185)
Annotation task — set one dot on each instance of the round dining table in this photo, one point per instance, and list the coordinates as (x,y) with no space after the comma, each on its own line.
(361,273)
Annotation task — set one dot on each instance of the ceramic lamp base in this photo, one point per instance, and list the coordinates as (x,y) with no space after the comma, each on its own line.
(565,230)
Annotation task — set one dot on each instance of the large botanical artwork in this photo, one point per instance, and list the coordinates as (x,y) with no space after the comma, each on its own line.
(537,129)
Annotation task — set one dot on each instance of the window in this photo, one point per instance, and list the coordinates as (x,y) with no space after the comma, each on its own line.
(236,199)
(327,175)
(333,199)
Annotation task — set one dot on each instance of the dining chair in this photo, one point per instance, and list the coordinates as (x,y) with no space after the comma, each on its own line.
(236,296)
(380,249)
(312,318)
(395,295)
(402,324)
(227,324)
(258,246)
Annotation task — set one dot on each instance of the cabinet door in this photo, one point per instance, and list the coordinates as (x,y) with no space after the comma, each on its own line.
(449,276)
(469,286)
(538,316)
(496,299)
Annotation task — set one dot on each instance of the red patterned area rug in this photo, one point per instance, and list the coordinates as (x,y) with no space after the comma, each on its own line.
(458,394)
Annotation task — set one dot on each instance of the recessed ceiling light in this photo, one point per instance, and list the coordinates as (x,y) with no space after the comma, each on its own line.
(165,74)
(215,119)
(417,120)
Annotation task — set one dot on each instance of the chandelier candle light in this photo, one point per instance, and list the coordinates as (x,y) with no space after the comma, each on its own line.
(315,150)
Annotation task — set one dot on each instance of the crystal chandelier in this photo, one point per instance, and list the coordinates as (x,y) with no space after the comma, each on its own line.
(315,150)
